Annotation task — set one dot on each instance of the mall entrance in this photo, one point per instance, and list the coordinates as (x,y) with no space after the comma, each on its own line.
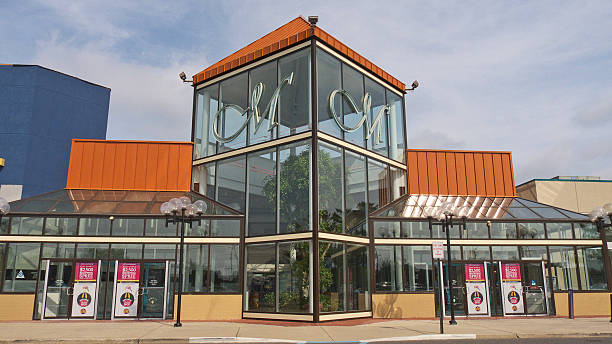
(498,288)
(103,289)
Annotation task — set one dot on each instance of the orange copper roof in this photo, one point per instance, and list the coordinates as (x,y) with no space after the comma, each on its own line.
(293,32)
(460,173)
(129,165)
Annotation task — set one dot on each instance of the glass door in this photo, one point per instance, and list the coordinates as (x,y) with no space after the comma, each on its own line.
(57,289)
(153,289)
(495,293)
(457,283)
(535,288)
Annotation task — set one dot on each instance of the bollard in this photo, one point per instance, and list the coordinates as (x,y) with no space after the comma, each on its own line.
(570,303)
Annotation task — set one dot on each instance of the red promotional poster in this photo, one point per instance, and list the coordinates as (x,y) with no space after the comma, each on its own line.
(474,273)
(128,272)
(86,272)
(511,272)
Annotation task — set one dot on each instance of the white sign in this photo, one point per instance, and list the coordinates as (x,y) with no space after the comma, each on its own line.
(126,299)
(512,292)
(476,297)
(84,299)
(437,248)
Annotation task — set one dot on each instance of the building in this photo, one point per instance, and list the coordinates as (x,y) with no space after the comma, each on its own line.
(579,194)
(316,211)
(41,111)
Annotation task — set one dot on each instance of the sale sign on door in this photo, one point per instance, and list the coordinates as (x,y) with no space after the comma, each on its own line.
(476,289)
(126,295)
(512,288)
(85,291)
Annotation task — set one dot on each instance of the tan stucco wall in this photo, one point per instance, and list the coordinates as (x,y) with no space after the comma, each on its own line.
(585,304)
(578,196)
(210,307)
(403,306)
(16,306)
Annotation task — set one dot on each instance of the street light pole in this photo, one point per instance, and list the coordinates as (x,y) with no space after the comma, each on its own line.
(181,257)
(448,220)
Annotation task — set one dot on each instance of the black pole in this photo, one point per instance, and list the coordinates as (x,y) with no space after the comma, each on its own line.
(611,308)
(440,287)
(446,227)
(180,291)
(570,303)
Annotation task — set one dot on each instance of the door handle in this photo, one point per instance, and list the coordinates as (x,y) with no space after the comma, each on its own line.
(140,291)
(70,291)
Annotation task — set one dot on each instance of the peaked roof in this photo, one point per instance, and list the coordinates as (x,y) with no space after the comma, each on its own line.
(295,31)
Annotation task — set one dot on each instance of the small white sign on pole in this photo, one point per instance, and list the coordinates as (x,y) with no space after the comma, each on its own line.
(437,248)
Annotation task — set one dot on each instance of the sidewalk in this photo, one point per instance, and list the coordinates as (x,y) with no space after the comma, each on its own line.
(283,332)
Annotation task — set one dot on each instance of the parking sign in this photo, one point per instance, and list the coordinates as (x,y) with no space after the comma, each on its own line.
(438,249)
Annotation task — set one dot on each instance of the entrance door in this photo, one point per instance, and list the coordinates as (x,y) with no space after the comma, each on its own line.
(535,288)
(141,289)
(57,290)
(457,282)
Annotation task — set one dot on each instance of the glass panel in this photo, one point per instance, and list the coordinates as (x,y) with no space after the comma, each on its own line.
(125,251)
(294,189)
(358,278)
(534,252)
(92,251)
(476,253)
(157,228)
(261,277)
(163,252)
(267,75)
(132,208)
(99,207)
(154,276)
(128,227)
(92,226)
(352,82)
(415,230)
(207,102)
(262,193)
(61,226)
(231,183)
(36,205)
(418,268)
(388,263)
(331,276)
(27,225)
(387,229)
(398,183)
(58,300)
(397,127)
(377,92)
(196,268)
(378,185)
(531,231)
(505,252)
(234,92)
(294,113)
(21,267)
(503,230)
(196,230)
(328,80)
(4,225)
(477,230)
(58,250)
(438,232)
(586,230)
(330,188)
(563,266)
(559,230)
(455,252)
(550,213)
(204,179)
(355,194)
(294,278)
(225,228)
(224,261)
(591,267)
(523,213)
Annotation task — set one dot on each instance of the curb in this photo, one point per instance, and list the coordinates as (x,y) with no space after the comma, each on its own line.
(542,336)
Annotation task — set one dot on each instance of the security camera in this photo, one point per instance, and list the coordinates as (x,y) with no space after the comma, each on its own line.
(183,76)
(313,20)
(415,84)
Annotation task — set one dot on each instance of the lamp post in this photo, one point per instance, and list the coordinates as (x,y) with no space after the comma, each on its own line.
(445,214)
(181,210)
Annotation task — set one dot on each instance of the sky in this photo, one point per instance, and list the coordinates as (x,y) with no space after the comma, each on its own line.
(531,77)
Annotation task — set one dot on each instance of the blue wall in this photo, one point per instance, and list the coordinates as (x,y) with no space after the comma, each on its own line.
(41,111)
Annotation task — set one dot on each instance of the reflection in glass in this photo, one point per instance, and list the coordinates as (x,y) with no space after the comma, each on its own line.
(539,252)
(261,277)
(355,194)
(398,182)
(387,229)
(294,278)
(294,113)
(476,253)
(500,230)
(231,183)
(267,75)
(330,188)
(128,227)
(352,82)
(196,268)
(559,230)
(157,227)
(61,226)
(328,80)
(418,268)
(378,184)
(331,277)
(591,267)
(531,231)
(92,251)
(505,252)
(126,251)
(586,231)
(388,263)
(207,102)
(233,91)
(159,251)
(358,278)
(563,267)
(20,273)
(26,225)
(477,230)
(415,229)
(294,188)
(225,228)
(58,250)
(204,179)
(397,127)
(224,268)
(378,101)
(262,193)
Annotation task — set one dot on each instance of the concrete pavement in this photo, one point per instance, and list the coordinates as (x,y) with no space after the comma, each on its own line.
(367,330)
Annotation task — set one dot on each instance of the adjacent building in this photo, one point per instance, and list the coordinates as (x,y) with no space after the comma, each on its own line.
(41,111)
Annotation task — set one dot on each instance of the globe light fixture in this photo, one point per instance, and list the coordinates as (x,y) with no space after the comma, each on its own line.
(597,214)
(5,207)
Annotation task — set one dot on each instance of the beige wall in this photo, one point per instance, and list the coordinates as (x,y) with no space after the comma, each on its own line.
(585,304)
(578,196)
(16,306)
(210,307)
(397,306)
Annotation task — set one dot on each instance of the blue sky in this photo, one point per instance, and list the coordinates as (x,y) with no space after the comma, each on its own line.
(534,78)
